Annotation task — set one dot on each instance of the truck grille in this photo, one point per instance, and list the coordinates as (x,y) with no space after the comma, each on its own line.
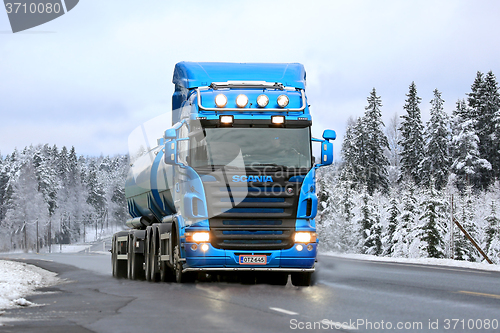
(264,219)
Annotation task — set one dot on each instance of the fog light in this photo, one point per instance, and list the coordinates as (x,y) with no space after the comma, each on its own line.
(278,120)
(194,247)
(204,247)
(226,120)
(262,101)
(299,247)
(309,247)
(283,101)
(241,101)
(220,100)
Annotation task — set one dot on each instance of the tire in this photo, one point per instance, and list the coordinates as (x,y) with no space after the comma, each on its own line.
(135,263)
(147,259)
(180,277)
(303,279)
(166,273)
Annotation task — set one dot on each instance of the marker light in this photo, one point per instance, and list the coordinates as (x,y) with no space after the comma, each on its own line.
(262,101)
(283,101)
(241,101)
(204,247)
(278,120)
(197,237)
(226,120)
(305,237)
(220,100)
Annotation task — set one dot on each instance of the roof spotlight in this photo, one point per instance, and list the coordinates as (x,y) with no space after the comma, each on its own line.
(220,100)
(262,101)
(241,101)
(283,101)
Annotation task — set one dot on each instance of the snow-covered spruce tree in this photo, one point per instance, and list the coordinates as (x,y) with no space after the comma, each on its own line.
(352,153)
(370,226)
(436,163)
(412,140)
(46,175)
(468,167)
(402,237)
(433,228)
(493,228)
(375,144)
(392,224)
(484,101)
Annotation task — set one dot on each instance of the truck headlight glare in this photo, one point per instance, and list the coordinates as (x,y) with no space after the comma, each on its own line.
(283,101)
(204,247)
(278,120)
(305,237)
(241,101)
(226,120)
(197,237)
(262,101)
(220,100)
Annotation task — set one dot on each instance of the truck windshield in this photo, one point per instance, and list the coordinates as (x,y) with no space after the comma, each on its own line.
(287,147)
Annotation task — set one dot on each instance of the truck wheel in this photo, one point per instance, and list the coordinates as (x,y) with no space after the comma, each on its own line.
(147,259)
(119,266)
(302,279)
(166,273)
(179,276)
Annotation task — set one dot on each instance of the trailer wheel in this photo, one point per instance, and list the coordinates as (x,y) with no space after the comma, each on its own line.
(147,251)
(135,263)
(152,273)
(302,279)
(119,266)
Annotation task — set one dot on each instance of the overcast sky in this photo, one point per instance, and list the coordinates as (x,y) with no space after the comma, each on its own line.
(88,78)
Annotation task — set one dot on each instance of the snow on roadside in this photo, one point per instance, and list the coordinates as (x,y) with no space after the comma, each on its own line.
(18,280)
(422,261)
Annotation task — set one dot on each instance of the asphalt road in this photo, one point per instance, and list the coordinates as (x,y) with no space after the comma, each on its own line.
(349,295)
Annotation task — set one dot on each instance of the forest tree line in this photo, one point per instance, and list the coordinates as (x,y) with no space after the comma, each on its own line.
(398,186)
(68,198)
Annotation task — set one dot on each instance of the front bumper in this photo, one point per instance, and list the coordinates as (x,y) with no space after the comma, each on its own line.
(213,259)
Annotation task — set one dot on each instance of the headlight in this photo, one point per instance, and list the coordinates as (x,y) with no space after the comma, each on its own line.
(197,237)
(226,120)
(305,237)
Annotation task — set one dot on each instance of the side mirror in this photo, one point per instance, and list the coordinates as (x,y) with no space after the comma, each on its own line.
(326,153)
(329,135)
(171,152)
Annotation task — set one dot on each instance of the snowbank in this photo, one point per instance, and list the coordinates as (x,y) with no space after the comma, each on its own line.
(18,280)
(422,261)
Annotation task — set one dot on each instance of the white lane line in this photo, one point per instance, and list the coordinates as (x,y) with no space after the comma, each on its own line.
(291,313)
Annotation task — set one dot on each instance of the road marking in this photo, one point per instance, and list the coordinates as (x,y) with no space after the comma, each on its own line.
(291,313)
(479,294)
(337,325)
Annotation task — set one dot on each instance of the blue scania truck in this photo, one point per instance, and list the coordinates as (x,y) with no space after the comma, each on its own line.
(230,187)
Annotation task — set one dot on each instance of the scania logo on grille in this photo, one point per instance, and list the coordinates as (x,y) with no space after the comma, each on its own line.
(248,179)
(289,190)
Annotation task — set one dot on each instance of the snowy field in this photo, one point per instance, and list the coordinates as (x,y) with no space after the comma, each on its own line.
(422,261)
(18,280)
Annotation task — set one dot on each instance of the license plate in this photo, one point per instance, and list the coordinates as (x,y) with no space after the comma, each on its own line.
(253,260)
